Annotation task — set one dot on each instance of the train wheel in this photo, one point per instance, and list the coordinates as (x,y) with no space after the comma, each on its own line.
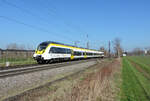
(40,61)
(50,61)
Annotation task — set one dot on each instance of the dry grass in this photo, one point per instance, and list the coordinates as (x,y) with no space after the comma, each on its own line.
(98,86)
(94,84)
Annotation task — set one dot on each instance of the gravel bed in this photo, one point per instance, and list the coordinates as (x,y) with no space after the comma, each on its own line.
(11,86)
(17,66)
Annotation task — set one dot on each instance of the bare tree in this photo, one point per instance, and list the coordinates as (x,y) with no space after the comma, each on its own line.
(12,46)
(117,47)
(16,46)
(29,47)
(21,47)
(137,51)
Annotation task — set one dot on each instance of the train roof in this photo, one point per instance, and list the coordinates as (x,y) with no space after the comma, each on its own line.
(49,42)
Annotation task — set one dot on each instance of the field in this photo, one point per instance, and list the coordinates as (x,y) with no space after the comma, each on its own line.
(135,79)
(16,61)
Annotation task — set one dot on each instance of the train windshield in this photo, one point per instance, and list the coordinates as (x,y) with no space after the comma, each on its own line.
(42,46)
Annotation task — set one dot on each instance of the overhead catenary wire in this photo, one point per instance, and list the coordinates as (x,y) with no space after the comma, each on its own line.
(44,20)
(25,11)
(72,26)
(32,26)
(32,14)
(68,24)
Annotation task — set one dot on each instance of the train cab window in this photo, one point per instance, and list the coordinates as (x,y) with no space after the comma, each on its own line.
(42,46)
(52,50)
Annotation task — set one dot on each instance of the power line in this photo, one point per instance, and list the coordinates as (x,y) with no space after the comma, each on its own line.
(24,10)
(31,26)
(36,16)
(27,12)
(54,11)
(70,25)
(28,25)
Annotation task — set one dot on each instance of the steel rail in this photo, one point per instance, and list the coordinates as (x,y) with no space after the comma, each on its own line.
(19,71)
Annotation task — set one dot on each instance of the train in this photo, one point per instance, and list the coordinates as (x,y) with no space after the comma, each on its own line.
(49,51)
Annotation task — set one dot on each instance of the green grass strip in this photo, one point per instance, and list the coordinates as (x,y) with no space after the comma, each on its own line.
(140,63)
(133,87)
(143,59)
(17,61)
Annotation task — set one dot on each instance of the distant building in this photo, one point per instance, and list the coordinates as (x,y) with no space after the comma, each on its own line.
(145,52)
(124,54)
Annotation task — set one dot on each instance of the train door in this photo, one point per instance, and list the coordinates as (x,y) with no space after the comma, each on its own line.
(72,54)
(85,56)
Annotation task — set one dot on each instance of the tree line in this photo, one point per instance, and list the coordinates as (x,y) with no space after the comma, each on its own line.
(15,46)
(118,51)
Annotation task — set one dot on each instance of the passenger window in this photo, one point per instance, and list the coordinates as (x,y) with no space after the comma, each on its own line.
(60,50)
(52,50)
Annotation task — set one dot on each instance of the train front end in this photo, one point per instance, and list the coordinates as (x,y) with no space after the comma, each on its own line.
(39,54)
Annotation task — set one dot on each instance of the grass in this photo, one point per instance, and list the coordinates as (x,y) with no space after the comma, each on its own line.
(135,86)
(142,61)
(17,61)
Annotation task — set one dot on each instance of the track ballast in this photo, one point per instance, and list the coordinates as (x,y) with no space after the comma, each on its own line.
(20,71)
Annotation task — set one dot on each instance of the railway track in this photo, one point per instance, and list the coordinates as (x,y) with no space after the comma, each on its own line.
(20,71)
(16,97)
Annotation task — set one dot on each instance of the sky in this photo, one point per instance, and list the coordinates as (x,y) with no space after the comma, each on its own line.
(30,22)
